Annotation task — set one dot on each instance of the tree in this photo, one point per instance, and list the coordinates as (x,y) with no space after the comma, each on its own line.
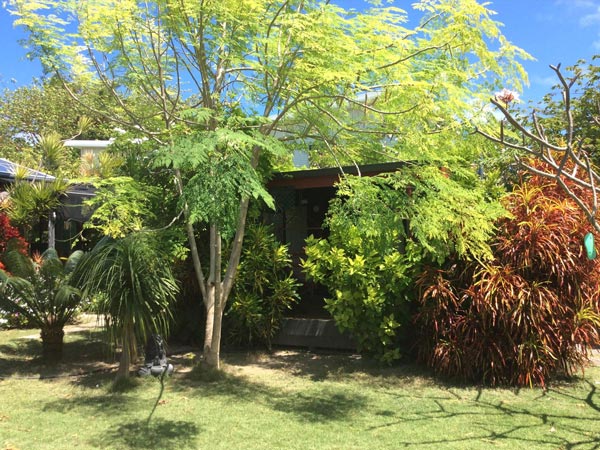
(35,119)
(41,289)
(584,81)
(134,288)
(31,203)
(567,148)
(214,82)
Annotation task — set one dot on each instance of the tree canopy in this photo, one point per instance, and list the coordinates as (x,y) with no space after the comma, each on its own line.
(35,119)
(310,68)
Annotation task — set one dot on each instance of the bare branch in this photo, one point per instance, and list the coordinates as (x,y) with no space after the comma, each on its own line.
(580,170)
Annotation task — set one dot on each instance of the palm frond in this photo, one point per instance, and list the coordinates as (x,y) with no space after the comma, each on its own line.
(19,264)
(137,284)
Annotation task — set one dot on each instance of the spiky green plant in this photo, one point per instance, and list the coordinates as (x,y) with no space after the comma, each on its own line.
(41,290)
(264,288)
(134,287)
(31,203)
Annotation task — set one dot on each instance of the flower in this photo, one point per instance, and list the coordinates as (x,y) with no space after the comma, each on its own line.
(507,96)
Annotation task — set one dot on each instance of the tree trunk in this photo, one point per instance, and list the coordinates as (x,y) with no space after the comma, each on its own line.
(52,342)
(209,303)
(217,292)
(126,346)
(213,358)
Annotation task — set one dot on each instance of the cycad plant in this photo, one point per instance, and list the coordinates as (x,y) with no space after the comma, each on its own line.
(134,288)
(41,290)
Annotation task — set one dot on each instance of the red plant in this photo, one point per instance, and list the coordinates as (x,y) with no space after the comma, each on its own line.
(530,314)
(8,233)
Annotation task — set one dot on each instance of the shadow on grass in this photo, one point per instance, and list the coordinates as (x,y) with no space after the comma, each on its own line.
(83,352)
(160,433)
(315,405)
(335,366)
(108,402)
(497,416)
(501,422)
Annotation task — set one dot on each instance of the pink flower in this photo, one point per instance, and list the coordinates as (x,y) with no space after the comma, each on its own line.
(507,96)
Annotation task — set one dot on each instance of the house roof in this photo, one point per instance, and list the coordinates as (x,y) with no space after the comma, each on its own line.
(72,201)
(8,169)
(327,177)
(95,143)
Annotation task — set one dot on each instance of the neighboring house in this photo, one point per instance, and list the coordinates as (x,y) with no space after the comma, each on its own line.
(301,198)
(67,221)
(88,147)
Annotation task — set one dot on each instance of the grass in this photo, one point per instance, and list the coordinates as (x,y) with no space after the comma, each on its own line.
(289,400)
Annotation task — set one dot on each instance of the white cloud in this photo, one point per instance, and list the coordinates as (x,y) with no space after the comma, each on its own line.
(591,19)
(587,11)
(578,3)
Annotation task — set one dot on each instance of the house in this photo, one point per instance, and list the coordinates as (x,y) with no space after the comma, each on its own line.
(301,199)
(66,222)
(88,148)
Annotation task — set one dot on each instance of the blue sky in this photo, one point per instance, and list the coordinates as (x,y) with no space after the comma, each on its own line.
(553,31)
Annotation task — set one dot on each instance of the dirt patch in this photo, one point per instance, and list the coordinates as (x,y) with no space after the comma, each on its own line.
(295,362)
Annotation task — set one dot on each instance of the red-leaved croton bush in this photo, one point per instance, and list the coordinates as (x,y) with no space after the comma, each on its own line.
(529,315)
(9,233)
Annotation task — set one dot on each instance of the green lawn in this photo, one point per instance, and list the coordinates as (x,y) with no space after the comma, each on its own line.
(291,400)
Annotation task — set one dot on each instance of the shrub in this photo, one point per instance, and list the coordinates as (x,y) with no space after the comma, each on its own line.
(264,288)
(10,238)
(528,315)
(9,233)
(382,230)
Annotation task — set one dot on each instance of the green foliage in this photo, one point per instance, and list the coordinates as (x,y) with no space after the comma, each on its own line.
(36,118)
(41,291)
(32,202)
(121,205)
(383,230)
(528,315)
(133,283)
(301,71)
(104,165)
(306,63)
(221,173)
(264,288)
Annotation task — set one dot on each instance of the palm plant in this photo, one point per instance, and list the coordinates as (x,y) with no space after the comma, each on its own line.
(41,290)
(31,203)
(134,287)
